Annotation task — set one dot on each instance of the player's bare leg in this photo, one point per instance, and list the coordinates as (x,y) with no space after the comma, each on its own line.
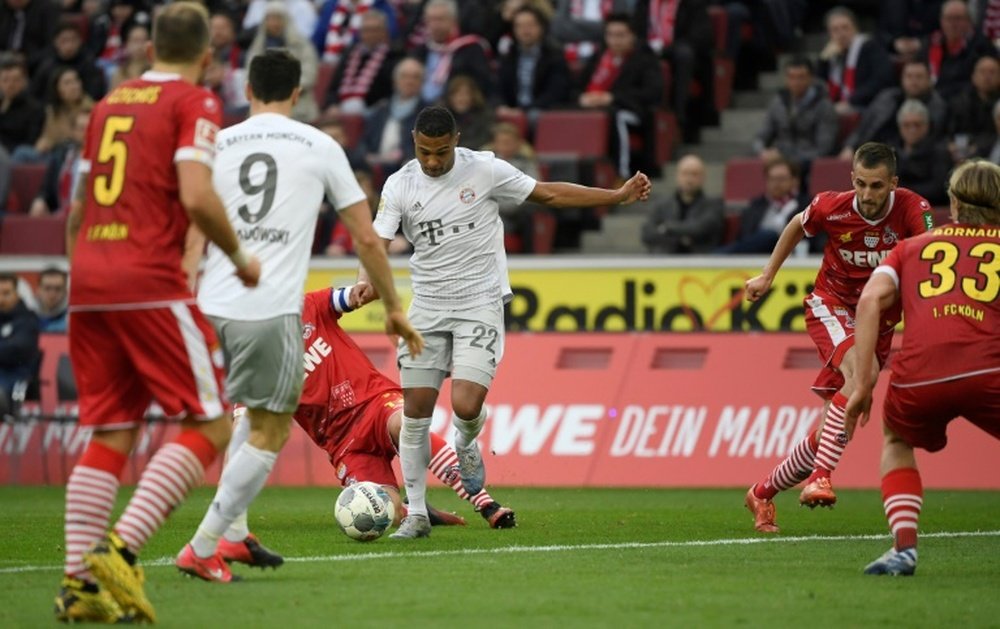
(170,474)
(833,439)
(242,479)
(468,417)
(902,496)
(414,456)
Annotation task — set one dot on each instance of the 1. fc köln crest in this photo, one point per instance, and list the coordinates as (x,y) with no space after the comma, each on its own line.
(871,239)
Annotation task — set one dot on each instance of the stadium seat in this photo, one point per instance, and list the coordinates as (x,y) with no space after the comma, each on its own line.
(666,135)
(725,75)
(25,184)
(848,123)
(543,231)
(324,76)
(30,235)
(744,180)
(720,27)
(732,229)
(579,134)
(829,173)
(518,119)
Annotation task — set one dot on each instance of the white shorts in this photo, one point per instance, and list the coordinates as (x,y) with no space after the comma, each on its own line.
(467,344)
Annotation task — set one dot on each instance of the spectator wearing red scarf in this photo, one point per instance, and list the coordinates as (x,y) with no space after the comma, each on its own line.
(625,78)
(854,65)
(952,51)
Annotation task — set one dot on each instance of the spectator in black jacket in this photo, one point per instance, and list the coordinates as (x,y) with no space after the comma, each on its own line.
(21,116)
(903,24)
(448,53)
(625,78)
(688,221)
(878,122)
(922,164)
(971,131)
(67,50)
(680,32)
(533,74)
(952,51)
(27,27)
(61,170)
(763,220)
(18,338)
(854,66)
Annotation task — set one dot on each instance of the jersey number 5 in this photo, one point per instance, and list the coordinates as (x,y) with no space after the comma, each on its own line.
(107,188)
(943,255)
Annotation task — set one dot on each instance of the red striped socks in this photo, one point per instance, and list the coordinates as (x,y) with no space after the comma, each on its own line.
(833,439)
(903,495)
(444,465)
(90,496)
(790,472)
(169,476)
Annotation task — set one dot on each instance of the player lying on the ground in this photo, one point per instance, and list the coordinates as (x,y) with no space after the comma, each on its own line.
(948,282)
(353,412)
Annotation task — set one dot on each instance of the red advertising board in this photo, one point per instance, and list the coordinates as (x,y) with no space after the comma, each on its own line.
(613,409)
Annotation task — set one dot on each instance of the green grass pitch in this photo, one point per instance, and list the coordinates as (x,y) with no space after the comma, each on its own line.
(579,558)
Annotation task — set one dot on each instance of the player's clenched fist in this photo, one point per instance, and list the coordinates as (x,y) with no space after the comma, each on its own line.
(755,287)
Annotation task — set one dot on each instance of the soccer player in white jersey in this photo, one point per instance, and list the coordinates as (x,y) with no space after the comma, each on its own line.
(447,201)
(272,174)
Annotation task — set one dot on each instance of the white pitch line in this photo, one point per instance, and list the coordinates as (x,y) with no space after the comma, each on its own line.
(509,550)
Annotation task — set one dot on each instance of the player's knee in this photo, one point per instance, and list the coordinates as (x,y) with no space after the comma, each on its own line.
(468,409)
(269,431)
(218,431)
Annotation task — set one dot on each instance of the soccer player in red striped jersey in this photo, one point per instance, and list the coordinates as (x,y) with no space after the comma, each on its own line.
(863,226)
(353,412)
(136,334)
(948,282)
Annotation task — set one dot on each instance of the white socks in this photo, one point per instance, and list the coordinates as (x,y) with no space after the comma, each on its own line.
(242,479)
(466,431)
(238,530)
(414,457)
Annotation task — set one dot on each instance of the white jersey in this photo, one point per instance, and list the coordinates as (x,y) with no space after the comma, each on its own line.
(272,174)
(453,222)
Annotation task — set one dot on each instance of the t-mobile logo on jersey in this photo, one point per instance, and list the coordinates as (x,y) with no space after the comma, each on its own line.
(435,229)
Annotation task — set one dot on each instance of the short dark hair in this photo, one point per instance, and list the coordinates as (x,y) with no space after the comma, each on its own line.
(9,278)
(799,61)
(781,160)
(180,34)
(622,18)
(435,122)
(541,18)
(917,62)
(875,154)
(274,75)
(14,62)
(66,25)
(50,271)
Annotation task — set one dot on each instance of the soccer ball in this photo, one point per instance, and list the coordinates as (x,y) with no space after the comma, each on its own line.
(364,511)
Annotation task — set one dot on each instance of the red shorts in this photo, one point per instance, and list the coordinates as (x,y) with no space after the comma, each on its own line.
(125,359)
(920,415)
(831,326)
(367,452)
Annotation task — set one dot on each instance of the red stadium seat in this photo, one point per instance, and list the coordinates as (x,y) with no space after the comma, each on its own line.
(725,74)
(666,135)
(720,27)
(26,183)
(323,79)
(848,123)
(744,180)
(829,173)
(543,231)
(580,134)
(732,231)
(30,235)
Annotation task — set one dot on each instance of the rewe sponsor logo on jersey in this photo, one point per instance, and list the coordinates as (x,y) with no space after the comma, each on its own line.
(866,259)
(315,353)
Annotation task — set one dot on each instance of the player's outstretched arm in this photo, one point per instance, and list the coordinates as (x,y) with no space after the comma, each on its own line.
(206,210)
(880,293)
(564,194)
(791,236)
